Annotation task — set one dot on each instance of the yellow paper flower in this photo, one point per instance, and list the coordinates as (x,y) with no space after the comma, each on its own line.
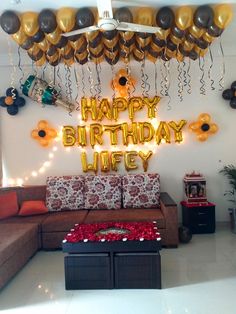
(44,134)
(203,127)
(122,82)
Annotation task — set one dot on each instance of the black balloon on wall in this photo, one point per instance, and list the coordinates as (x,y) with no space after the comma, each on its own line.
(230,94)
(203,16)
(84,18)
(123,15)
(47,21)
(10,22)
(165,18)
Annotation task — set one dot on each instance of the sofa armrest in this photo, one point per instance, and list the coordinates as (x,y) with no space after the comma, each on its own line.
(170,212)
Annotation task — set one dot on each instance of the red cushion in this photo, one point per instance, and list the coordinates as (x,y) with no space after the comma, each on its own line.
(8,204)
(32,208)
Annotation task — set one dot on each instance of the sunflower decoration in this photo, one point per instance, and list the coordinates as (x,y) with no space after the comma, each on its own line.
(44,134)
(122,82)
(203,127)
(12,101)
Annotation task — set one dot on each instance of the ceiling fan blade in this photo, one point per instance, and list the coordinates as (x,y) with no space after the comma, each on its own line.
(104,9)
(131,27)
(81,31)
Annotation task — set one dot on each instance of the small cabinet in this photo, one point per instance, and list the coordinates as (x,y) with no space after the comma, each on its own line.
(199,217)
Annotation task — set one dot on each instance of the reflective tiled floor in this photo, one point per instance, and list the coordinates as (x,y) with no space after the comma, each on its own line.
(197,278)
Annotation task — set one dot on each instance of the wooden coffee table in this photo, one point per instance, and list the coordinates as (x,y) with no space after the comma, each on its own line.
(107,264)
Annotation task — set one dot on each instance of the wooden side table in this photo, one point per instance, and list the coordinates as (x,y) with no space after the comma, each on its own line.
(199,217)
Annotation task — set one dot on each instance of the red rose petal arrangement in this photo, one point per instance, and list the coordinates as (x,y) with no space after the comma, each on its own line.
(113,231)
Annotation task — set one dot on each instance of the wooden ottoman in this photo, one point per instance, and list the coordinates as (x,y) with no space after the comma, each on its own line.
(113,255)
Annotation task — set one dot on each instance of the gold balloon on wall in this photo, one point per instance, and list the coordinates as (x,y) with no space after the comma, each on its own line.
(66,19)
(29,22)
(223,15)
(68,136)
(82,139)
(104,161)
(87,166)
(145,157)
(129,158)
(115,159)
(96,131)
(184,17)
(113,129)
(177,127)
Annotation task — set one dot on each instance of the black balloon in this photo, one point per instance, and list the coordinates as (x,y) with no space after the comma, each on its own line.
(47,21)
(203,16)
(228,94)
(27,44)
(159,42)
(179,33)
(51,51)
(84,18)
(190,38)
(62,42)
(123,15)
(184,52)
(193,55)
(110,34)
(10,22)
(36,57)
(233,86)
(233,103)
(165,18)
(185,235)
(143,35)
(38,37)
(214,30)
(201,43)
(170,45)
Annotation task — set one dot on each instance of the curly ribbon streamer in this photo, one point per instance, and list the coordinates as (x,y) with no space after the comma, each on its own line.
(184,74)
(167,82)
(155,78)
(69,84)
(162,79)
(66,81)
(222,79)
(98,85)
(189,89)
(210,70)
(180,84)
(113,74)
(19,66)
(83,81)
(43,71)
(13,73)
(77,88)
(90,77)
(202,81)
(128,71)
(59,80)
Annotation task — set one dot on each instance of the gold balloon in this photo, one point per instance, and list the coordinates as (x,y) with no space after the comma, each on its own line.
(66,19)
(176,40)
(144,16)
(119,104)
(34,50)
(82,139)
(110,43)
(194,126)
(113,129)
(54,37)
(146,132)
(208,37)
(151,58)
(163,133)
(115,158)
(96,132)
(88,105)
(170,53)
(129,158)
(54,57)
(177,127)
(184,17)
(223,15)
(104,161)
(145,157)
(89,167)
(188,46)
(135,104)
(41,61)
(19,36)
(195,31)
(68,136)
(79,43)
(65,50)
(179,57)
(127,35)
(97,49)
(44,45)
(97,60)
(151,104)
(162,34)
(29,22)
(128,132)
(140,55)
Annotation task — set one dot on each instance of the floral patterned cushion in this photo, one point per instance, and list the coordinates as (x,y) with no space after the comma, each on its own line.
(103,192)
(141,191)
(65,193)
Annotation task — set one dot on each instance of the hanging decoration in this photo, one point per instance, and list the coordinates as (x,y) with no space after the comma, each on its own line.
(230,94)
(44,134)
(203,127)
(44,93)
(12,101)
(122,82)
(184,32)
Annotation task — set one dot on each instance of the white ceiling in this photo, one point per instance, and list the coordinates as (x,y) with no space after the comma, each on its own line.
(228,37)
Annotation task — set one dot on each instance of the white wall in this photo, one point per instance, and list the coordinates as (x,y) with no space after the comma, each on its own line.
(22,154)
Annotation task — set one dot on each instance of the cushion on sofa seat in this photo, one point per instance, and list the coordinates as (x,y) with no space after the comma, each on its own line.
(31,193)
(63,221)
(103,192)
(141,190)
(132,214)
(30,208)
(8,204)
(65,193)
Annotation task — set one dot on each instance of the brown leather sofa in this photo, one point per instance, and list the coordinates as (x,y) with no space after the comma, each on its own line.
(21,237)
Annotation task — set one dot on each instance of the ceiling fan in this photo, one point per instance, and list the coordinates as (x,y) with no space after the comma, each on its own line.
(106,22)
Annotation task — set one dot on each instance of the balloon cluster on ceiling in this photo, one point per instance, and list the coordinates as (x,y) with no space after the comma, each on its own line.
(184,32)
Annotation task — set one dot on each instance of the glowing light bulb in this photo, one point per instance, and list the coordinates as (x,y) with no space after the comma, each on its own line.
(11,181)
(68,149)
(47,164)
(19,181)
(54,148)
(34,173)
(26,178)
(42,170)
(50,155)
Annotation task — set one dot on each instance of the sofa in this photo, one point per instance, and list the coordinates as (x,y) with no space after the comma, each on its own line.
(21,236)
